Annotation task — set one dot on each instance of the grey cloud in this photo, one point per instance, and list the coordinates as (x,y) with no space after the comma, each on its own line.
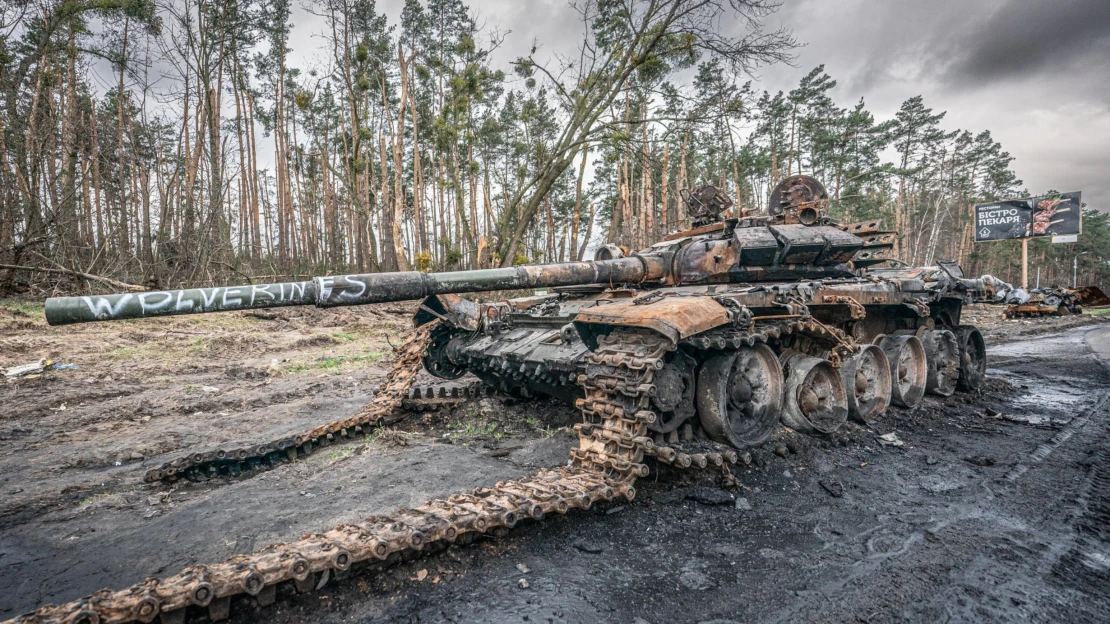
(1030,38)
(1030,71)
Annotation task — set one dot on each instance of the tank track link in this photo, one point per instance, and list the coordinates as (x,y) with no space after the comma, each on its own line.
(383,410)
(616,411)
(431,397)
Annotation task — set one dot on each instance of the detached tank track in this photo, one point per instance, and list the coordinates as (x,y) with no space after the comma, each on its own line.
(606,469)
(613,441)
(382,410)
(430,397)
(309,562)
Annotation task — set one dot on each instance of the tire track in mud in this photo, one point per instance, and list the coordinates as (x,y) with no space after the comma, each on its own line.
(1043,451)
(1084,567)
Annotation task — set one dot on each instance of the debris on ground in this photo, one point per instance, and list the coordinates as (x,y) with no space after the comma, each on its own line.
(35,369)
(698,493)
(833,487)
(393,437)
(890,439)
(979,460)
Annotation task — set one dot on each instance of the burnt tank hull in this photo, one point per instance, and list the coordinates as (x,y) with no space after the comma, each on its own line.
(539,345)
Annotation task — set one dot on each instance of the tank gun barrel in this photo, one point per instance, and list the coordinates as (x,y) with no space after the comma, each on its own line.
(344,290)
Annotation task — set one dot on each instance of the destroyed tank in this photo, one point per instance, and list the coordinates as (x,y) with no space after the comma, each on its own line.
(726,328)
(688,353)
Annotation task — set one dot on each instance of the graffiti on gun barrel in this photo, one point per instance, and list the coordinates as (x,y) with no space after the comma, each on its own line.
(188,301)
(1056,214)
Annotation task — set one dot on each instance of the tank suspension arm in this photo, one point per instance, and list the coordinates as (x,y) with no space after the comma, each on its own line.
(347,290)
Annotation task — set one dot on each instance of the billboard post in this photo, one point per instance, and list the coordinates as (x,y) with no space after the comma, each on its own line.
(1025,263)
(1058,215)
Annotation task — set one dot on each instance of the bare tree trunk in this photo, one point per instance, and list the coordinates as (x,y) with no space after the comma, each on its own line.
(575,218)
(124,238)
(94,156)
(395,220)
(67,219)
(664,190)
(683,182)
(589,233)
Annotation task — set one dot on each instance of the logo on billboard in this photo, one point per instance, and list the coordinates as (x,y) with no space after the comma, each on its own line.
(1058,214)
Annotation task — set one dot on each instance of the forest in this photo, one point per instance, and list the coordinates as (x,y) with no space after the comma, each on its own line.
(151,144)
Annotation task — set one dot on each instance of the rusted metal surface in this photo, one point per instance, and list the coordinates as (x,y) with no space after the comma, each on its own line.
(863,227)
(674,318)
(705,229)
(1091,296)
(799,199)
(453,309)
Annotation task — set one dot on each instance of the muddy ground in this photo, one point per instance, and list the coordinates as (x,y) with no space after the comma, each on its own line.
(994,508)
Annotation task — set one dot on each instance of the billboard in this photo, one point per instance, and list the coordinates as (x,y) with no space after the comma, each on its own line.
(1056,214)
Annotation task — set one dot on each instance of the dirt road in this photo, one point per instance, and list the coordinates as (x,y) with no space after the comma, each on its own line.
(994,507)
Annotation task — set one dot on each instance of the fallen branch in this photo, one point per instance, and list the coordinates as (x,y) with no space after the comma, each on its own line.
(25,244)
(88,276)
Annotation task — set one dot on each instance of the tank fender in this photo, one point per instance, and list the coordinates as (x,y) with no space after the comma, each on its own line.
(458,311)
(675,318)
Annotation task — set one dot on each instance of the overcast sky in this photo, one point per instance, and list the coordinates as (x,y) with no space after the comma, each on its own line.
(1033,72)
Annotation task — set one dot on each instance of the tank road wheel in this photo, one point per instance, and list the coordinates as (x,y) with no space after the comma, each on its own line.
(674,392)
(739,395)
(973,357)
(435,355)
(814,400)
(942,353)
(907,369)
(866,378)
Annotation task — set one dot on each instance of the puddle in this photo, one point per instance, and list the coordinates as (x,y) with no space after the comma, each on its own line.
(1042,400)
